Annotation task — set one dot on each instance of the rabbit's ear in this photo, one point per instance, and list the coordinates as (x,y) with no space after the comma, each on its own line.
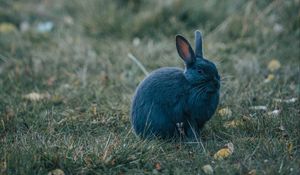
(198,44)
(184,50)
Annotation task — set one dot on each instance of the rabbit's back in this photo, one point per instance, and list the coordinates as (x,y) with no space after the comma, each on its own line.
(159,101)
(161,85)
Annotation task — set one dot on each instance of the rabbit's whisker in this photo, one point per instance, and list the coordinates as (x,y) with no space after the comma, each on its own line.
(200,91)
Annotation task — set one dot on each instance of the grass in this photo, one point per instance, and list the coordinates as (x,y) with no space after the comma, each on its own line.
(83,64)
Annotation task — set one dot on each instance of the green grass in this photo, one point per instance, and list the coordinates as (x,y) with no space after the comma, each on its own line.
(83,65)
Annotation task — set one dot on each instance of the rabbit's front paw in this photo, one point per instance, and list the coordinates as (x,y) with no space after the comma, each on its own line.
(192,135)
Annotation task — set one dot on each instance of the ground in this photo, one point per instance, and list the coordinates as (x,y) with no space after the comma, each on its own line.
(66,83)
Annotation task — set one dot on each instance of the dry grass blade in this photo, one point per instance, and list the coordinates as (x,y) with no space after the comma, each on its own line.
(138,63)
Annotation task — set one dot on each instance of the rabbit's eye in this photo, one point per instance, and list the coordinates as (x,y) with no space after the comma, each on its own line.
(200,71)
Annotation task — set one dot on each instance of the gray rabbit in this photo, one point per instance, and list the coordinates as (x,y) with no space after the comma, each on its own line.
(172,102)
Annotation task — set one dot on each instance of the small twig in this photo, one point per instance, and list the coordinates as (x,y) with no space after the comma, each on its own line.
(253,152)
(3,58)
(280,168)
(130,131)
(220,27)
(106,148)
(134,59)
(268,9)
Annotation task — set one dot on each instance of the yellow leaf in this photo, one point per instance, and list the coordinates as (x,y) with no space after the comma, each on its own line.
(94,109)
(252,172)
(208,169)
(269,78)
(33,96)
(225,112)
(7,27)
(224,152)
(56,99)
(56,172)
(274,65)
(232,123)
(290,148)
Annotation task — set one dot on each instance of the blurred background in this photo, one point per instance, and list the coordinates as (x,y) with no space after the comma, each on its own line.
(153,19)
(85,43)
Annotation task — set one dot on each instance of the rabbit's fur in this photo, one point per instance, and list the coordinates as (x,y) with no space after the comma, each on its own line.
(173,102)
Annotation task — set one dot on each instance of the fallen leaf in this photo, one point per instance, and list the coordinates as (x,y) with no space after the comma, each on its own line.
(51,81)
(237,122)
(136,41)
(225,112)
(283,131)
(157,166)
(290,148)
(278,28)
(291,100)
(207,169)
(281,128)
(88,161)
(24,26)
(3,167)
(56,172)
(44,27)
(56,99)
(269,78)
(246,118)
(274,65)
(94,109)
(259,108)
(68,20)
(275,112)
(252,172)
(230,146)
(7,27)
(224,152)
(33,96)
(232,123)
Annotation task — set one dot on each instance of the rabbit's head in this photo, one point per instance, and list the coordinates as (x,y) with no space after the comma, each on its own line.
(198,70)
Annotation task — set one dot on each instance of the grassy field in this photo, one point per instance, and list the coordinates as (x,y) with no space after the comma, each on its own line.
(78,121)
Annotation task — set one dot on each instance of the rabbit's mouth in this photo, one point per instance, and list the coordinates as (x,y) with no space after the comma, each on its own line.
(212,90)
(213,87)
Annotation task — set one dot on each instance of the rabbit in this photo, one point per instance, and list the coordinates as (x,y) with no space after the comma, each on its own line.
(171,102)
